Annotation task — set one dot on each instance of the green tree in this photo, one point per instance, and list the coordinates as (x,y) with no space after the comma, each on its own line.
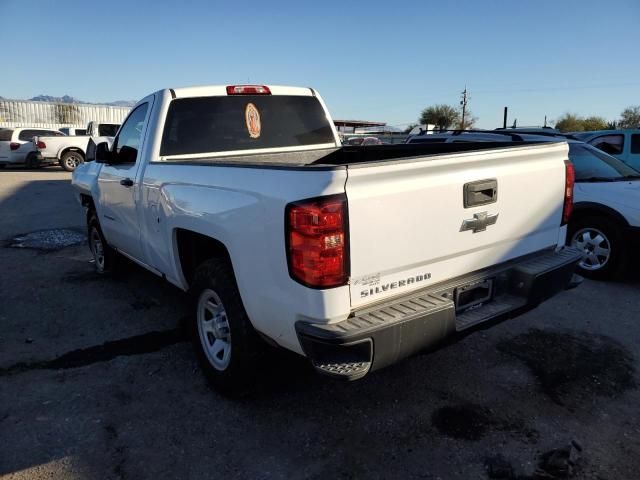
(594,123)
(442,116)
(630,117)
(570,122)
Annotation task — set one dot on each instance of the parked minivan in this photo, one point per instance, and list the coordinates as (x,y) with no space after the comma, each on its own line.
(16,145)
(624,144)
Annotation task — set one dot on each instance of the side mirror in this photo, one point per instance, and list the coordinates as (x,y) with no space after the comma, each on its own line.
(90,155)
(127,154)
(101,153)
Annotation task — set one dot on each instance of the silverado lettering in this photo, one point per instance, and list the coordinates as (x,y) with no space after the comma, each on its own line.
(390,286)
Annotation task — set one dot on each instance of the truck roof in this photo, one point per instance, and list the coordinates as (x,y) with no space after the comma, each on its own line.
(221,90)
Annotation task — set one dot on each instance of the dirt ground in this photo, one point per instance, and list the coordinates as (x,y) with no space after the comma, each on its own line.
(98,381)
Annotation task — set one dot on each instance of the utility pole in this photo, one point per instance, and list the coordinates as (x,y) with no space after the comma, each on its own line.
(463,102)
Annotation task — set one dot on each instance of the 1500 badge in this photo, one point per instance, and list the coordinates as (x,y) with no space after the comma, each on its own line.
(385,287)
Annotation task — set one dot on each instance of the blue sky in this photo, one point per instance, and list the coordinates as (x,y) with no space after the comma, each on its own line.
(369,60)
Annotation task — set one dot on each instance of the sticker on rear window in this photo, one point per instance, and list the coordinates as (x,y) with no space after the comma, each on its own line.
(252,119)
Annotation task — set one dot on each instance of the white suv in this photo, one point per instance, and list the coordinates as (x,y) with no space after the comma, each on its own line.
(17,148)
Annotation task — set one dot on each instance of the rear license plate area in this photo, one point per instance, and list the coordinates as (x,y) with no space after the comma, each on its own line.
(473,295)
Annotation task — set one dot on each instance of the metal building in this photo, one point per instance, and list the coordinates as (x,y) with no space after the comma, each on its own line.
(26,113)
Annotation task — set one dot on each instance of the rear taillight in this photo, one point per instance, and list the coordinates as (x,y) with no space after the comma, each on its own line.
(248,90)
(14,145)
(41,144)
(570,180)
(317,241)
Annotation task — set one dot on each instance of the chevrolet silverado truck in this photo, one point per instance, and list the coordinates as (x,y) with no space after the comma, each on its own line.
(70,151)
(354,257)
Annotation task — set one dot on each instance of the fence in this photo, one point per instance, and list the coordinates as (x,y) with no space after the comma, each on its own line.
(24,113)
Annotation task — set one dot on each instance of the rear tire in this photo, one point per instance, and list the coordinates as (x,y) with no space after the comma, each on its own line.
(105,257)
(70,160)
(227,346)
(602,242)
(32,161)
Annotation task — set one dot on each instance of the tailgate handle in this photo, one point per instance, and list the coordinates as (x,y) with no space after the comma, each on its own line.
(482,192)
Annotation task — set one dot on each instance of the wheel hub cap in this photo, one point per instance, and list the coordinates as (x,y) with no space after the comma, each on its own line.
(595,246)
(214,330)
(96,248)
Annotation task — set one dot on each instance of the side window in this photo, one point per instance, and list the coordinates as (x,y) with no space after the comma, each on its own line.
(635,143)
(128,141)
(611,144)
(80,131)
(65,130)
(27,135)
(51,133)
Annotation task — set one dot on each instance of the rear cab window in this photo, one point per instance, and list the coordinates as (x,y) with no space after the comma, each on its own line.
(209,125)
(107,130)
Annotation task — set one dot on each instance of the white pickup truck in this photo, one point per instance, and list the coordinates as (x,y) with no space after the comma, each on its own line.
(352,256)
(70,151)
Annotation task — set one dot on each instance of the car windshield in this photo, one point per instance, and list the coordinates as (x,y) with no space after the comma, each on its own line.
(593,164)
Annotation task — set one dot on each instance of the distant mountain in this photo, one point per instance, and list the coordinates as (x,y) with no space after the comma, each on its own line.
(69,99)
(49,98)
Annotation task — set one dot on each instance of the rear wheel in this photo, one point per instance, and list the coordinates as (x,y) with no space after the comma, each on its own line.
(228,347)
(602,245)
(71,160)
(104,256)
(32,161)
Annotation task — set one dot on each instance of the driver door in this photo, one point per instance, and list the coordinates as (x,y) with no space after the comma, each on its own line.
(118,189)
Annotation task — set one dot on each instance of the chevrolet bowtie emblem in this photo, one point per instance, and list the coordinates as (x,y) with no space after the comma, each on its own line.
(479,222)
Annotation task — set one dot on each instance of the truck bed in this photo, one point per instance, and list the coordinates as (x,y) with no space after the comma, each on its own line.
(348,155)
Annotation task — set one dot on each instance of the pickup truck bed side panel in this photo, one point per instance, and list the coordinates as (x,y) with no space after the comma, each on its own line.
(244,210)
(406,219)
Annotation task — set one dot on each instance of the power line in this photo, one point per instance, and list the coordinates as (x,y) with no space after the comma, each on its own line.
(558,88)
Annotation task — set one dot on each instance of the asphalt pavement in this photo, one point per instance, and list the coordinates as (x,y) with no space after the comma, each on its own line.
(98,381)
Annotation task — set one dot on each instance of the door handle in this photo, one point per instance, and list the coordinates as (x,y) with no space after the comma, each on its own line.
(482,192)
(126,182)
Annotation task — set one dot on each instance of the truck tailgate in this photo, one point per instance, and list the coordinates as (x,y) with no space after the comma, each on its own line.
(413,223)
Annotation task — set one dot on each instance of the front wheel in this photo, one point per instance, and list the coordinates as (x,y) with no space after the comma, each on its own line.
(602,245)
(227,346)
(71,160)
